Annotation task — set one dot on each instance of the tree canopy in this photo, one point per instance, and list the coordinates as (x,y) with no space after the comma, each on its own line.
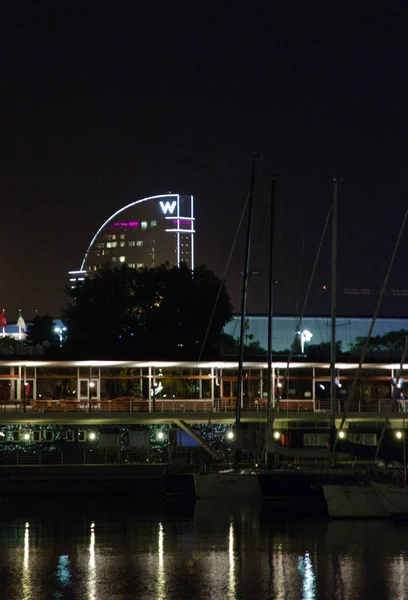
(391,344)
(162,312)
(41,329)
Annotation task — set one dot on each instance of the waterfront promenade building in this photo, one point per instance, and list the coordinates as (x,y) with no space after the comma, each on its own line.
(145,233)
(37,394)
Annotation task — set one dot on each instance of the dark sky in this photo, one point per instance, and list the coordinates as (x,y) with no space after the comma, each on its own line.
(98,109)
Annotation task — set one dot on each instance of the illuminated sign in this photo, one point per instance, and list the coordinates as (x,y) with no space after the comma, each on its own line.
(168,206)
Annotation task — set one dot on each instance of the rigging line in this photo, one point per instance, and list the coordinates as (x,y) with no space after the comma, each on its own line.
(299,321)
(370,331)
(393,397)
(262,233)
(285,377)
(299,277)
(223,278)
(283,266)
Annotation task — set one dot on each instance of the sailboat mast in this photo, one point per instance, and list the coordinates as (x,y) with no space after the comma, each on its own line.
(243,306)
(270,304)
(333,304)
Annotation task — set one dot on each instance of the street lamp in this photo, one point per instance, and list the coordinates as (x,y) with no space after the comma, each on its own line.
(230,435)
(60,331)
(160,436)
(398,435)
(276,435)
(342,434)
(92,436)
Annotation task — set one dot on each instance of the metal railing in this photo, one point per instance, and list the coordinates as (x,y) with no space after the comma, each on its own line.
(218,405)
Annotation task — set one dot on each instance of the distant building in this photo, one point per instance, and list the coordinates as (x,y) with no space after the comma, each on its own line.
(145,233)
(348,329)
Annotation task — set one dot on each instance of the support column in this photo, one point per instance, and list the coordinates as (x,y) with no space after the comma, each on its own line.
(314,388)
(35,384)
(391,385)
(212,384)
(98,391)
(12,384)
(261,387)
(141,382)
(150,390)
(78,386)
(273,387)
(200,385)
(19,385)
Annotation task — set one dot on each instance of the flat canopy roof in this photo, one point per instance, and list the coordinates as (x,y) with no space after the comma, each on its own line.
(128,364)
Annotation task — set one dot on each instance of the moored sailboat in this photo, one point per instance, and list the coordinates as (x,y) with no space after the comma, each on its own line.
(235,482)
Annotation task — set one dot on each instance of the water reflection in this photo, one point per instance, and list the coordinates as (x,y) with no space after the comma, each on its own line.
(279,573)
(220,553)
(63,571)
(161,579)
(26,576)
(231,577)
(92,566)
(398,579)
(306,569)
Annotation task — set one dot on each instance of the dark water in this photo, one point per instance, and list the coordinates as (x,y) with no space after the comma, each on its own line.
(52,550)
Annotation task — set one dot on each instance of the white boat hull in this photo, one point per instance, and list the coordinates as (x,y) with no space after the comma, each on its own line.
(227,485)
(393,496)
(354,501)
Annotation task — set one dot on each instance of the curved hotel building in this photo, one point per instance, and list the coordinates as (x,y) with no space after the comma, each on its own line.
(145,233)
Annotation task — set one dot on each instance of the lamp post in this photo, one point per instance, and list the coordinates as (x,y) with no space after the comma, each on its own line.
(60,331)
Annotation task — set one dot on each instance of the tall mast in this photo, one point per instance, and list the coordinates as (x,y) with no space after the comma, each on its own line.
(333,304)
(237,449)
(270,306)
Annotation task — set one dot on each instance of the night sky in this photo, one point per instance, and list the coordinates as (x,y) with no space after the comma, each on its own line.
(98,109)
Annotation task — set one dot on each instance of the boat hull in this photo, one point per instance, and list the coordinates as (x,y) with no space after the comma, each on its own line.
(393,496)
(226,485)
(355,501)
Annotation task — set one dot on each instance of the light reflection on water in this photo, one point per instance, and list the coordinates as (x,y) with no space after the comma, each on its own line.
(215,553)
(92,567)
(25,578)
(306,569)
(231,578)
(161,580)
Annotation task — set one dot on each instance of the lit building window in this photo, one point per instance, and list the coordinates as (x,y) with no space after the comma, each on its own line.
(111,244)
(139,266)
(131,244)
(122,236)
(122,259)
(114,258)
(153,223)
(139,243)
(143,224)
(132,265)
(122,244)
(109,236)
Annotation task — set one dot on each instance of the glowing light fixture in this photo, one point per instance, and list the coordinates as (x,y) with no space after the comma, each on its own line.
(276,435)
(305,336)
(230,435)
(92,436)
(398,435)
(342,434)
(160,435)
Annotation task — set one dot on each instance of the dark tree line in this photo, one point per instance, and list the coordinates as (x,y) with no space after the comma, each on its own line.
(164,313)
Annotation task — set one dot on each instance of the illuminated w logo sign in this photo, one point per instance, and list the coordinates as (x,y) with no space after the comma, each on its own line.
(168,206)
